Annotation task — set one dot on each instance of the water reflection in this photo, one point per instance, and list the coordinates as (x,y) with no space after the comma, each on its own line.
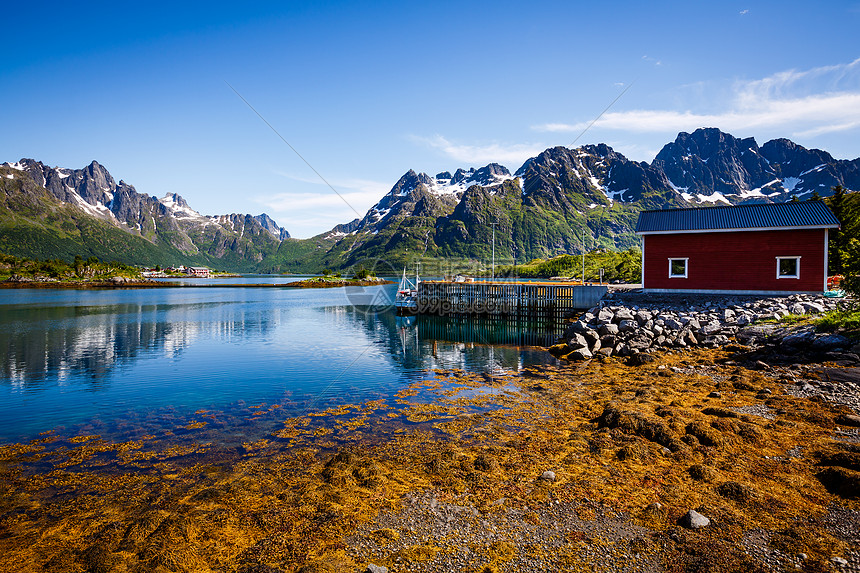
(104,359)
(65,343)
(421,343)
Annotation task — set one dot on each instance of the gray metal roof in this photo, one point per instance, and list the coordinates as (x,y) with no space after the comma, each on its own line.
(794,214)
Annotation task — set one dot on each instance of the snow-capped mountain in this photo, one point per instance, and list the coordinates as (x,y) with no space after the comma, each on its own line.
(711,166)
(543,208)
(420,195)
(168,224)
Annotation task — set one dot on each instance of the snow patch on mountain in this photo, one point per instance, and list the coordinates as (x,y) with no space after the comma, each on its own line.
(177,207)
(790,183)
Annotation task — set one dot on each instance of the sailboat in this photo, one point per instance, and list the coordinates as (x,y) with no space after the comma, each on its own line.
(406,300)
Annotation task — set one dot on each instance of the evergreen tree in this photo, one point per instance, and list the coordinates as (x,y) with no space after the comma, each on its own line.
(846,212)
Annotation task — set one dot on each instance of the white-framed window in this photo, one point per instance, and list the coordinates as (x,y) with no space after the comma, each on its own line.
(678,268)
(788,267)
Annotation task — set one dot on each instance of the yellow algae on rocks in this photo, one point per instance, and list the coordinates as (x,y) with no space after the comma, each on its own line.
(630,441)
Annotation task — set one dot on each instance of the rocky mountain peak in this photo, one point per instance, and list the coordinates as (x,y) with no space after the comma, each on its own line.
(272,227)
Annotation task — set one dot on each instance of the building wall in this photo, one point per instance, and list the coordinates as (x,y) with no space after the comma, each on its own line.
(735,260)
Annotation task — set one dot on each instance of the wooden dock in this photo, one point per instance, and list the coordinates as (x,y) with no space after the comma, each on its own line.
(535,300)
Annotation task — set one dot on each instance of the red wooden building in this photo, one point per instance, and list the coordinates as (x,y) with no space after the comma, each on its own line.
(777,248)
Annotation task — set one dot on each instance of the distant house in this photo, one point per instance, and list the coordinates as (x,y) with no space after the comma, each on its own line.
(777,248)
(200,272)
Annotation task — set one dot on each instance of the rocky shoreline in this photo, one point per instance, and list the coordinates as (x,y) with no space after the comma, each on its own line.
(634,325)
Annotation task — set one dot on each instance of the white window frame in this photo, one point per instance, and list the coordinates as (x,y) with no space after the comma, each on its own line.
(686,267)
(794,276)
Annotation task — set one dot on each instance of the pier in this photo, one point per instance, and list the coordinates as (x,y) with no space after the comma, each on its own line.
(533,300)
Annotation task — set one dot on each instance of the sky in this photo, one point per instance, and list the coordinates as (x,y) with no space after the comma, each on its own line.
(311,111)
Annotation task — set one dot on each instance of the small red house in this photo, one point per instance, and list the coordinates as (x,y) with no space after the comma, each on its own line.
(776,248)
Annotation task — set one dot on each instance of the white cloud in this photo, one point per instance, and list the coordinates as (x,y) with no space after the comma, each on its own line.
(810,102)
(511,156)
(744,12)
(316,208)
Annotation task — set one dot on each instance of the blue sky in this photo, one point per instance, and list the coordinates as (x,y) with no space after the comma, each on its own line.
(367,91)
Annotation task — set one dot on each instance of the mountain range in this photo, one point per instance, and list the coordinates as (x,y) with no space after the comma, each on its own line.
(542,209)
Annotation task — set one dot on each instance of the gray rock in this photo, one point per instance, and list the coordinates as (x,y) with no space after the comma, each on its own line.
(591,336)
(548,475)
(622,314)
(376,569)
(830,342)
(640,359)
(672,324)
(715,394)
(605,329)
(797,308)
(627,325)
(577,341)
(579,354)
(694,520)
(639,343)
(717,340)
(605,316)
(744,320)
(642,316)
(798,339)
(712,327)
(694,324)
(608,341)
(812,307)
(689,338)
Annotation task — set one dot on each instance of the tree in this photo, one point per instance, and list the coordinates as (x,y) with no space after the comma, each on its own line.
(845,209)
(814,197)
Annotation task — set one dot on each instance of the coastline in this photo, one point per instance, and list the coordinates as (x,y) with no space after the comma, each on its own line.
(165,284)
(582,466)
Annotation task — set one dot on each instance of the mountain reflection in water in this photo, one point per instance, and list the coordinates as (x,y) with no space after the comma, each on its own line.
(89,358)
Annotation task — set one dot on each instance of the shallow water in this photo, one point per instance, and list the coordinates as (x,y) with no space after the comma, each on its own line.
(126,362)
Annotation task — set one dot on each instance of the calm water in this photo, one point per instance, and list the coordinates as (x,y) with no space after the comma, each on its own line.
(126,362)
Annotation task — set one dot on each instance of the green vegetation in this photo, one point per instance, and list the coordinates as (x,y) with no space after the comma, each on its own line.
(622,266)
(845,318)
(844,252)
(59,270)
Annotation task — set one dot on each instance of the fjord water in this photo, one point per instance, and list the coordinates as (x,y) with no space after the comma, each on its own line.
(126,362)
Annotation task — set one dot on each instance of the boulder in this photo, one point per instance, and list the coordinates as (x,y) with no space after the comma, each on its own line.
(577,341)
(802,338)
(628,326)
(694,520)
(813,308)
(608,329)
(578,355)
(605,316)
(830,342)
(622,314)
(712,327)
(640,359)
